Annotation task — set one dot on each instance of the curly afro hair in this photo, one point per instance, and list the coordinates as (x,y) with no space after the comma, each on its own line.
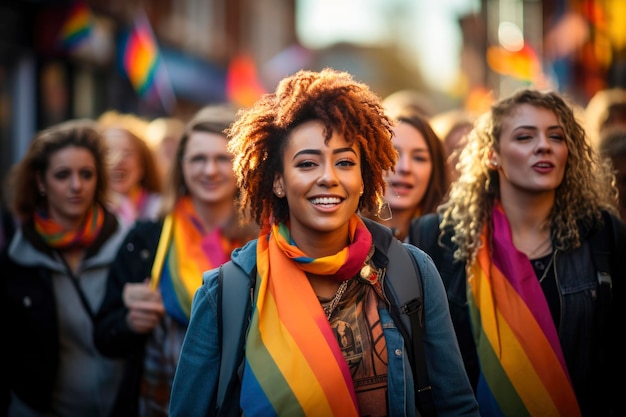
(343,105)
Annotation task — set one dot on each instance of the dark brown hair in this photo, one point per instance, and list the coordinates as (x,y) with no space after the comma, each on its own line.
(24,197)
(440,176)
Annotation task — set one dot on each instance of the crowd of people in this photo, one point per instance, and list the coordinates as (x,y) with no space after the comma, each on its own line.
(119,233)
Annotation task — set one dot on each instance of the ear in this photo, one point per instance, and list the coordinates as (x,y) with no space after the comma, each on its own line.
(492,159)
(40,184)
(279,188)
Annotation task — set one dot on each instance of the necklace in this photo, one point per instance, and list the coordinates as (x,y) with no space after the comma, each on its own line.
(329,307)
(538,249)
(545,271)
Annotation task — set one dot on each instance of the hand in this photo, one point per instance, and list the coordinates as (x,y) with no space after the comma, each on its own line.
(145,306)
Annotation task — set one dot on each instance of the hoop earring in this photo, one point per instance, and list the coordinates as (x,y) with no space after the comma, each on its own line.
(384,212)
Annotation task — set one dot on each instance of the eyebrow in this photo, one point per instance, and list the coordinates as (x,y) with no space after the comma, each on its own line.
(318,152)
(532,127)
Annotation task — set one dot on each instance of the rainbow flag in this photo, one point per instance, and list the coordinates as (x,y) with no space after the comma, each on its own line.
(140,55)
(242,82)
(77,26)
(523,64)
(141,61)
(522,367)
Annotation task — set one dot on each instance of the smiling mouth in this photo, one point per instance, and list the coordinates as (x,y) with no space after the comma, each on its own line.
(326,201)
(401,185)
(118,175)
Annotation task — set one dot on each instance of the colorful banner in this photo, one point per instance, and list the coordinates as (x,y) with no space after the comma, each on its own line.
(243,87)
(77,26)
(142,63)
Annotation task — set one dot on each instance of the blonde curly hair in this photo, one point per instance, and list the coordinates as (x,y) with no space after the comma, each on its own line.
(259,135)
(588,185)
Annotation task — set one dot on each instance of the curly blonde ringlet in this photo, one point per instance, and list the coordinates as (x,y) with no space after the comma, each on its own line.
(587,187)
(258,136)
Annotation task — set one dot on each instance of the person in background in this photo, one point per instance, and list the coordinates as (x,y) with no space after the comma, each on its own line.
(8,225)
(163,135)
(146,309)
(133,174)
(612,144)
(452,127)
(605,109)
(420,181)
(54,272)
(321,341)
(517,257)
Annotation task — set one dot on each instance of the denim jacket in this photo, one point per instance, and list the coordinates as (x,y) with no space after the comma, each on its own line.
(196,381)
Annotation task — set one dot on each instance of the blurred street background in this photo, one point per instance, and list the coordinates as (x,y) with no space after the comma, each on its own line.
(71,59)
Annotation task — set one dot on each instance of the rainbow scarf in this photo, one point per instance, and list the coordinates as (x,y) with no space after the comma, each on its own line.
(57,237)
(138,196)
(294,365)
(184,252)
(522,369)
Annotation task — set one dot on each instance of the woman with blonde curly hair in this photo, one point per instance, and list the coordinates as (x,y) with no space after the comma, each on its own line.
(515,254)
(323,338)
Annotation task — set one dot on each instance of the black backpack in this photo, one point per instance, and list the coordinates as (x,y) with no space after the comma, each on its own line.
(405,295)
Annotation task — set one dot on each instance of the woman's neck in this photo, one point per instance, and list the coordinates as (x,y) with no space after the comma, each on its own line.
(213,215)
(73,258)
(529,222)
(319,244)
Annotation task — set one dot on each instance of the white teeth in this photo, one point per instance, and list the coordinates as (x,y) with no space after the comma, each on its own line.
(544,165)
(326,200)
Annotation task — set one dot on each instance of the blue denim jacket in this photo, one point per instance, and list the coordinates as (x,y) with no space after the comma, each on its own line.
(196,381)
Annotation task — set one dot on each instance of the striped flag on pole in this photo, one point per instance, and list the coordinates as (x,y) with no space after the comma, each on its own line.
(77,26)
(143,65)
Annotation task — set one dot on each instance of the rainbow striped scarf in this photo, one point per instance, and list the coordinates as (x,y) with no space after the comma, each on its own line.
(294,366)
(137,197)
(184,252)
(57,237)
(522,370)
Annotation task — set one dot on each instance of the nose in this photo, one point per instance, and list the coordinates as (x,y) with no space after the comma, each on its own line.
(543,144)
(210,166)
(76,182)
(328,177)
(403,164)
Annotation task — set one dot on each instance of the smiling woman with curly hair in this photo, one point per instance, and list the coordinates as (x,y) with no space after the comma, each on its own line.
(323,338)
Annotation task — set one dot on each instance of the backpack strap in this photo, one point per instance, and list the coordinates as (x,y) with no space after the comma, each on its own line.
(407,293)
(601,244)
(235,292)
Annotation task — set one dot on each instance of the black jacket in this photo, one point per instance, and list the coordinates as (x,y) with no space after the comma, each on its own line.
(112,335)
(30,310)
(592,343)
